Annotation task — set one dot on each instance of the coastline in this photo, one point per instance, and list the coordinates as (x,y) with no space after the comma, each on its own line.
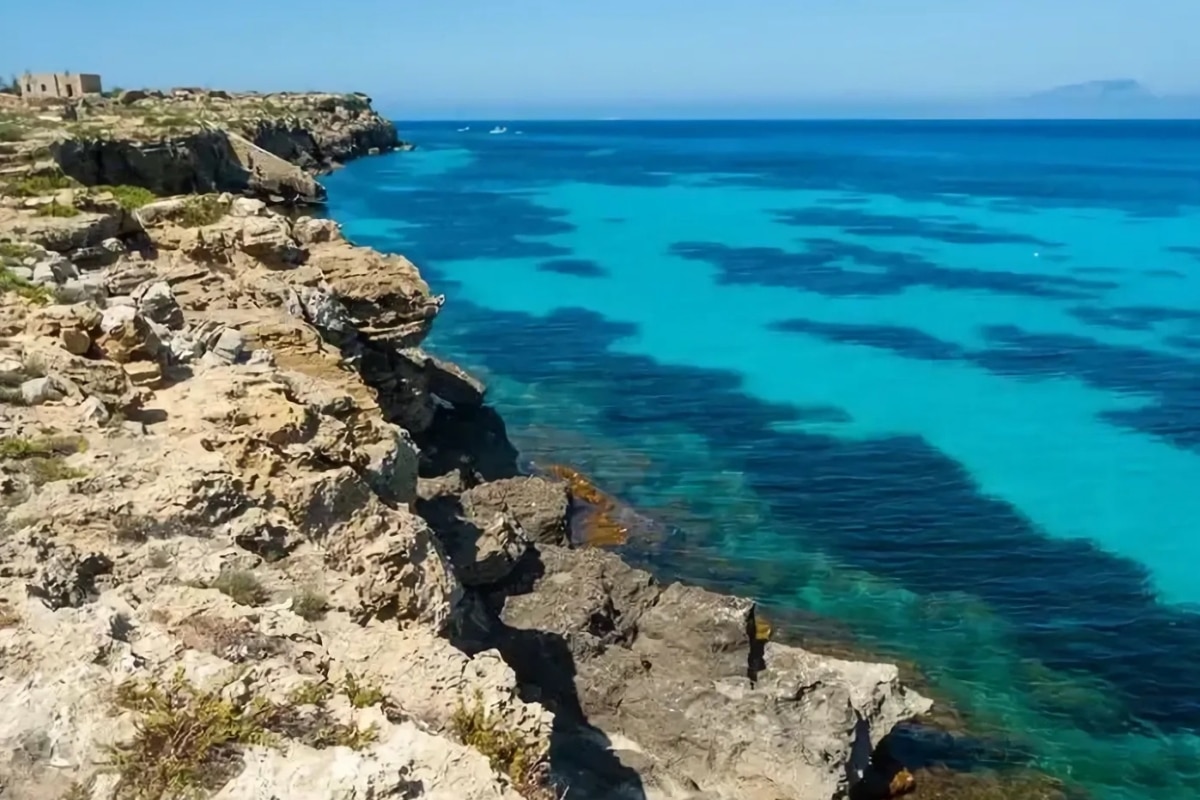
(497,537)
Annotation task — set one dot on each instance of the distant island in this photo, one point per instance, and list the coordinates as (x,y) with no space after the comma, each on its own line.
(1120,97)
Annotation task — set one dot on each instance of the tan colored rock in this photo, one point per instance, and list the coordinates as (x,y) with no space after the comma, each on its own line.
(103,379)
(385,295)
(147,374)
(131,340)
(75,341)
(53,320)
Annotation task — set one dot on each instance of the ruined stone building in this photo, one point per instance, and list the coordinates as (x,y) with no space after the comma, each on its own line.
(58,84)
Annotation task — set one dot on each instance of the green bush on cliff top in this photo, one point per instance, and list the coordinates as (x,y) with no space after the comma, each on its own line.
(200,211)
(130,197)
(56,209)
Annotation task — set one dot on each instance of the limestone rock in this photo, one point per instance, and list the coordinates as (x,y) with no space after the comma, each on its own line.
(487,554)
(103,379)
(539,506)
(316,231)
(115,316)
(63,234)
(445,379)
(75,341)
(126,275)
(229,346)
(268,240)
(667,669)
(146,374)
(66,580)
(36,391)
(133,340)
(407,763)
(156,302)
(93,412)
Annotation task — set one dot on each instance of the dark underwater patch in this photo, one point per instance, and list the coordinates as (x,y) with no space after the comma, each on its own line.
(893,506)
(823,267)
(864,223)
(579,267)
(1170,383)
(1187,250)
(901,340)
(1133,318)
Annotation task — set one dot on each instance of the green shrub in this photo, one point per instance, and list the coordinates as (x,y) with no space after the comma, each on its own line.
(17,447)
(41,185)
(310,693)
(361,695)
(10,132)
(241,586)
(16,251)
(309,604)
(30,291)
(199,211)
(130,197)
(186,740)
(56,209)
(509,752)
(47,470)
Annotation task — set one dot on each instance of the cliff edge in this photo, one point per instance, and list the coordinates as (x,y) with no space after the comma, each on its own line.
(257,542)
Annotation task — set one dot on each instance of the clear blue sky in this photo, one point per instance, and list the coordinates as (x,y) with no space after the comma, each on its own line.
(508,57)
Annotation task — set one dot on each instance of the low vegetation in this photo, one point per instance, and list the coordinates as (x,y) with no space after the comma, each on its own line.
(361,694)
(9,618)
(42,458)
(189,741)
(56,209)
(20,447)
(310,693)
(15,251)
(309,604)
(508,751)
(10,132)
(199,211)
(130,197)
(41,185)
(9,282)
(242,587)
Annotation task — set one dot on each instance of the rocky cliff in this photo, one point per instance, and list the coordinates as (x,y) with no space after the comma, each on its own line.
(258,543)
(193,140)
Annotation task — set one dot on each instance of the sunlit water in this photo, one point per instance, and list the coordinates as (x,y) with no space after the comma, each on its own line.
(936,382)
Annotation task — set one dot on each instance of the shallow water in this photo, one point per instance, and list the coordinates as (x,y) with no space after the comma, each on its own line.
(937,382)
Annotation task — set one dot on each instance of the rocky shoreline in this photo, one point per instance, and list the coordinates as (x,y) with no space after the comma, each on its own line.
(258,543)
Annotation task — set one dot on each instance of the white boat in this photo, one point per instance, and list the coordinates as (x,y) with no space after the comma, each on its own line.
(498,129)
(464,130)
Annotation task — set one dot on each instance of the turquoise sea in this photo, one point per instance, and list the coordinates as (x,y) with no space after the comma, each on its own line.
(933,385)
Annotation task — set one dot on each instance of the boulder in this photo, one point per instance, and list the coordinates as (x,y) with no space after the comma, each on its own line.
(156,302)
(103,379)
(147,374)
(132,340)
(484,554)
(539,506)
(316,231)
(268,240)
(36,391)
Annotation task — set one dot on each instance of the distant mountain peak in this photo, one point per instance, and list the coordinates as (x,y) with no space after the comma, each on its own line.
(1113,89)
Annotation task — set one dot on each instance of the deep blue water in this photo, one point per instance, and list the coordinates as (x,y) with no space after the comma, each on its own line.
(937,383)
